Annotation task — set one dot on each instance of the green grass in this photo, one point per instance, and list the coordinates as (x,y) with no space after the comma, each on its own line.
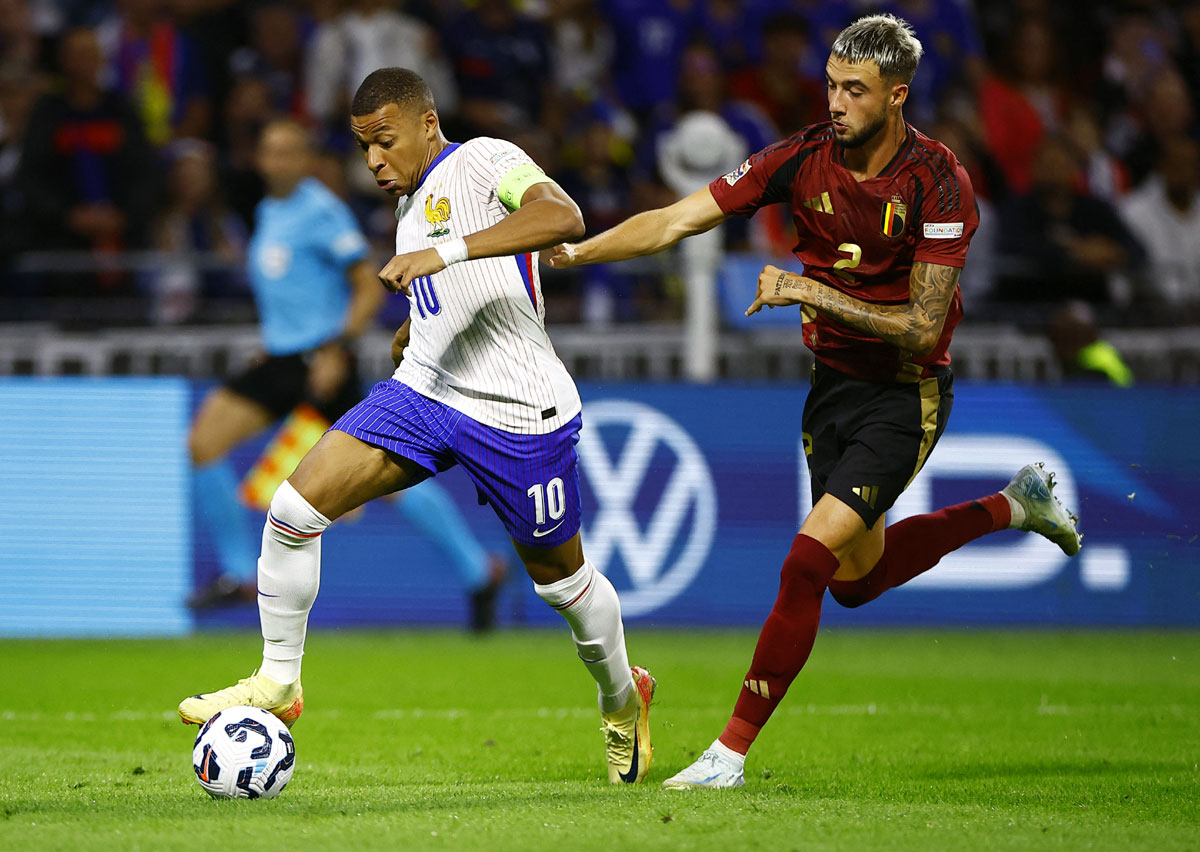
(889,740)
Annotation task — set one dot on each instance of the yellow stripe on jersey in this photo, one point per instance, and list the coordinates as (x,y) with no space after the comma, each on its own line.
(513,185)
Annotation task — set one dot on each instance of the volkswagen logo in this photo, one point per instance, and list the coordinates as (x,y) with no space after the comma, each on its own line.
(656,506)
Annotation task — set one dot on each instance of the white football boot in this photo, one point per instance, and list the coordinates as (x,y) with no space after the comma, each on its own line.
(717,767)
(1035,508)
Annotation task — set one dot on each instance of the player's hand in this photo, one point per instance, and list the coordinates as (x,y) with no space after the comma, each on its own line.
(403,268)
(562,255)
(776,288)
(328,370)
(400,343)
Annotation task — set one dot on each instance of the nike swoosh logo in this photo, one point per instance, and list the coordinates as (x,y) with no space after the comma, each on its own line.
(540,533)
(265,595)
(631,776)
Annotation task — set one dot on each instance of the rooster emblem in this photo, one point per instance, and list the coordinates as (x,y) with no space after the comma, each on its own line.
(438,214)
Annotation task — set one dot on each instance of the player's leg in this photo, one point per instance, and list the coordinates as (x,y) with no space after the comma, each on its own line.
(431,510)
(226,419)
(532,483)
(784,644)
(891,557)
(356,461)
(845,422)
(587,601)
(246,405)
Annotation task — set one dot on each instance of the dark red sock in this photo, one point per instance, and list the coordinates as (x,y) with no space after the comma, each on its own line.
(916,544)
(785,641)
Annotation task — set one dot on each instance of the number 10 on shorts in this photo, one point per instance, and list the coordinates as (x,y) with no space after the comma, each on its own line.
(549,498)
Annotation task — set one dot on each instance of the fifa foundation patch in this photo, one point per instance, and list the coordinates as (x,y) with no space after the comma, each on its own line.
(943,230)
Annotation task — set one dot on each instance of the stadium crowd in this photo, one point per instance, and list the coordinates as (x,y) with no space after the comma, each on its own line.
(131,126)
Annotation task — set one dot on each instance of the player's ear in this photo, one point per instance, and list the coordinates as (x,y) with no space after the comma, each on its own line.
(430,122)
(899,95)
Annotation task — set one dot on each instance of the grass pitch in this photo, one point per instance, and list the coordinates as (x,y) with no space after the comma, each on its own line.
(431,740)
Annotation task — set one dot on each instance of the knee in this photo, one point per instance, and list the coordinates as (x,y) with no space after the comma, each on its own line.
(850,593)
(291,520)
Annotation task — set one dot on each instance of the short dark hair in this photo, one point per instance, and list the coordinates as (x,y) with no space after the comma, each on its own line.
(397,86)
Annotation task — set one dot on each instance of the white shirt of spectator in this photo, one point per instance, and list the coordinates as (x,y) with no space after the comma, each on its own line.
(1171,238)
(478,341)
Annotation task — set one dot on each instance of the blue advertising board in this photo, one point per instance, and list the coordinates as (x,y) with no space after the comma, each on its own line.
(692,495)
(95,511)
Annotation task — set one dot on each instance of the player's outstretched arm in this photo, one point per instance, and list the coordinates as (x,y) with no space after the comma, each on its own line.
(645,233)
(915,326)
(546,217)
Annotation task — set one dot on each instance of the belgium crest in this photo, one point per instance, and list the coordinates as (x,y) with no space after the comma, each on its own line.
(892,220)
(438,215)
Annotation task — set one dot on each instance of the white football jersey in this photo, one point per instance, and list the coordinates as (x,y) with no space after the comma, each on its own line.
(478,337)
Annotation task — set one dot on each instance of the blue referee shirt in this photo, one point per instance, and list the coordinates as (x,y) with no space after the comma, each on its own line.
(299,252)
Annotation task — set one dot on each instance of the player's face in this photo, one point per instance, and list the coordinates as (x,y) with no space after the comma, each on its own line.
(283,158)
(859,99)
(396,145)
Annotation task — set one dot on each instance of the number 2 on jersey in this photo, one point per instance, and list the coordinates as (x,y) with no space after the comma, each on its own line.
(550,498)
(839,268)
(426,296)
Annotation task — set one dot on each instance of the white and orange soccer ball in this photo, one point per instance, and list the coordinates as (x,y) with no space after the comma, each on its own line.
(244,753)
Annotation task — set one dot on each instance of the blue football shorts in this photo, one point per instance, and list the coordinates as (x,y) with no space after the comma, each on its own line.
(531,481)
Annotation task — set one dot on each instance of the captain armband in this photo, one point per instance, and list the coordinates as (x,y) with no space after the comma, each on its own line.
(514,183)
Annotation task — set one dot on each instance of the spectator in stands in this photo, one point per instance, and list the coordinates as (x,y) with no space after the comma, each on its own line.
(581,48)
(1167,113)
(1056,243)
(601,185)
(1187,58)
(1019,107)
(1080,352)
(84,175)
(246,112)
(501,62)
(703,86)
(778,86)
(275,55)
(1103,175)
(200,232)
(350,44)
(650,37)
(1164,213)
(159,68)
(19,43)
(953,55)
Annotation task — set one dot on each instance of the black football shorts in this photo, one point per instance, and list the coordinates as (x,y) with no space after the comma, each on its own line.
(865,441)
(280,382)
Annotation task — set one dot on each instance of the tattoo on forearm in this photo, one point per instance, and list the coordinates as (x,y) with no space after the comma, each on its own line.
(779,282)
(915,326)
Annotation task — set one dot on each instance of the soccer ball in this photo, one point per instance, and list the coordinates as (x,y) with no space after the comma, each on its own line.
(244,753)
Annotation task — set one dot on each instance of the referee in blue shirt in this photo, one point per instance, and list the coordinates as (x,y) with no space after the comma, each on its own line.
(316,291)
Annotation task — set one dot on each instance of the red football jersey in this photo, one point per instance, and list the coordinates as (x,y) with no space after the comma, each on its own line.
(863,237)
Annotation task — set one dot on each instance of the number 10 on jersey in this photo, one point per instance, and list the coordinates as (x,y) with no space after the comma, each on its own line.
(425,296)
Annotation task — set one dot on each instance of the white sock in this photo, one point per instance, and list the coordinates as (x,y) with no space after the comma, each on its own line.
(589,603)
(725,751)
(289,574)
(1017,511)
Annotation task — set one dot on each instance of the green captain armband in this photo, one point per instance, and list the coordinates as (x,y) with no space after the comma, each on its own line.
(513,185)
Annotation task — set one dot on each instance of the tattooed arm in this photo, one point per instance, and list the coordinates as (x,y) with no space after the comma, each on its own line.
(915,326)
